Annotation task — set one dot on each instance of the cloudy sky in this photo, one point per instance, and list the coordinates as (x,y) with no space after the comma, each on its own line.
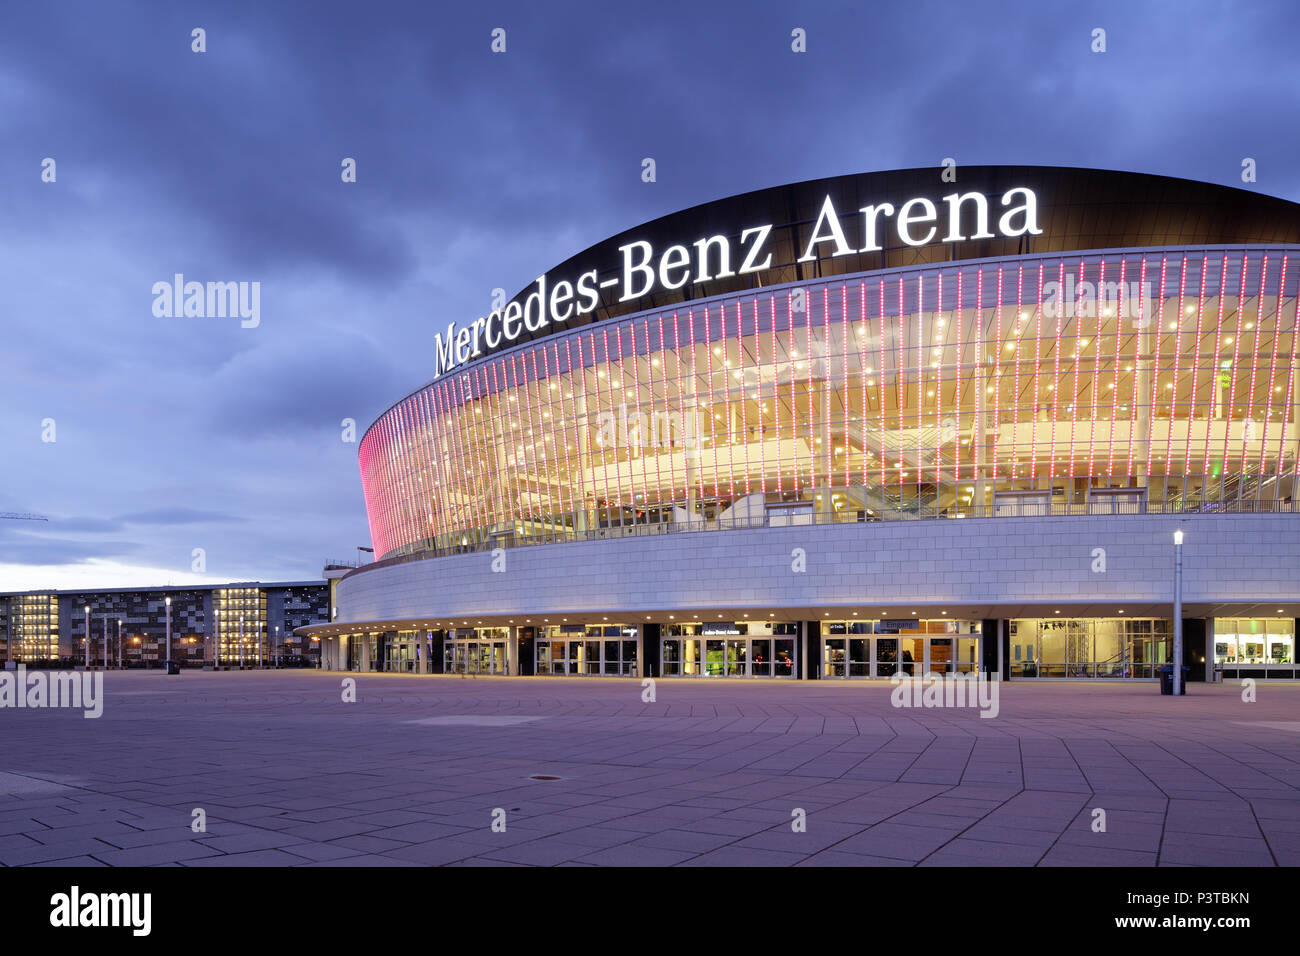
(474,170)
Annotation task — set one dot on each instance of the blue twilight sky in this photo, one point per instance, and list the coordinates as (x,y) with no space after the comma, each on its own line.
(474,170)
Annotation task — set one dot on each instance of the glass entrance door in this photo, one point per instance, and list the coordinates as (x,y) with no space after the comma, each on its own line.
(714,658)
(833,657)
(912,655)
(737,658)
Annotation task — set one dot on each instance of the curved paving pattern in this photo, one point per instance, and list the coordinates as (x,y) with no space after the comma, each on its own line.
(289,775)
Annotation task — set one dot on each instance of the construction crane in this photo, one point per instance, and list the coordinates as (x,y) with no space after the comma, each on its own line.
(22,516)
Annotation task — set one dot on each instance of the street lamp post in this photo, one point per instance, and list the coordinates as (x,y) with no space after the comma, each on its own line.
(168,602)
(87,637)
(241,642)
(105,643)
(119,643)
(216,621)
(1178,612)
(277,646)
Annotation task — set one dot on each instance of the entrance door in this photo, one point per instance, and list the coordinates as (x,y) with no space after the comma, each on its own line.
(941,656)
(760,657)
(859,657)
(833,657)
(715,658)
(968,655)
(886,656)
(783,656)
(737,658)
(912,655)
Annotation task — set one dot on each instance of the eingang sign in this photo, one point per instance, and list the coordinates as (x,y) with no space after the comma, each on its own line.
(644,270)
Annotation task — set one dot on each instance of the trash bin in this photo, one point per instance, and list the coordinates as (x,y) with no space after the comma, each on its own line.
(1167,679)
(173,667)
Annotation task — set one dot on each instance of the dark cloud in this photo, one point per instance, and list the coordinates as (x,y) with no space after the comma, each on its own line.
(475,171)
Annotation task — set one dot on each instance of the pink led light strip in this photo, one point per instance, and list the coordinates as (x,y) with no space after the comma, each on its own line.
(1056,381)
(1236,351)
(655,436)
(1178,350)
(1015,384)
(958,319)
(1121,306)
(1155,368)
(1095,379)
(919,345)
(1254,357)
(1272,365)
(938,382)
(880,377)
(812,418)
(1137,361)
(862,372)
(1290,382)
(997,374)
(1214,369)
(1038,364)
(1196,368)
(902,318)
(844,363)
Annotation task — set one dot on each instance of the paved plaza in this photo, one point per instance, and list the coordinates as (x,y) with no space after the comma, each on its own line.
(709,775)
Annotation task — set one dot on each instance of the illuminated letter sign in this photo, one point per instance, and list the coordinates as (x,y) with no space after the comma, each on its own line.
(646,270)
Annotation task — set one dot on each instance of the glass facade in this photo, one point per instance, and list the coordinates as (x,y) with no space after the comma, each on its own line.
(241,625)
(914,647)
(1149,380)
(1245,647)
(591,649)
(478,650)
(1102,647)
(34,628)
(723,649)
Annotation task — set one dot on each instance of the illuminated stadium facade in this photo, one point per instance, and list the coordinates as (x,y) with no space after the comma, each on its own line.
(857,425)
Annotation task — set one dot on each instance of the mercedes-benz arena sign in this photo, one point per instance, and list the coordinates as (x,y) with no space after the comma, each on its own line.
(716,432)
(645,270)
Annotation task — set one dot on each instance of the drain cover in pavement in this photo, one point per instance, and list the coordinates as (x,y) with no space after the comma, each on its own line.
(542,776)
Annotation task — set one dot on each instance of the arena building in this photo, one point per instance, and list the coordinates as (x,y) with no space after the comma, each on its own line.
(922,421)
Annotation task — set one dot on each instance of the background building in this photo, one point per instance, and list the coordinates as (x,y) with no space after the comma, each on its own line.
(940,425)
(253,624)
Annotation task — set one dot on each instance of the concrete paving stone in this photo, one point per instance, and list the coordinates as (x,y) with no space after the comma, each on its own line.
(1246,854)
(156,853)
(836,857)
(321,852)
(365,843)
(366,860)
(692,841)
(718,765)
(1077,854)
(967,852)
(537,853)
(77,862)
(266,857)
(1018,836)
(627,854)
(897,841)
(816,838)
(43,853)
(745,856)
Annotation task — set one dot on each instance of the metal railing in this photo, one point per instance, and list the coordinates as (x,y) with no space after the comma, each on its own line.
(1010,508)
